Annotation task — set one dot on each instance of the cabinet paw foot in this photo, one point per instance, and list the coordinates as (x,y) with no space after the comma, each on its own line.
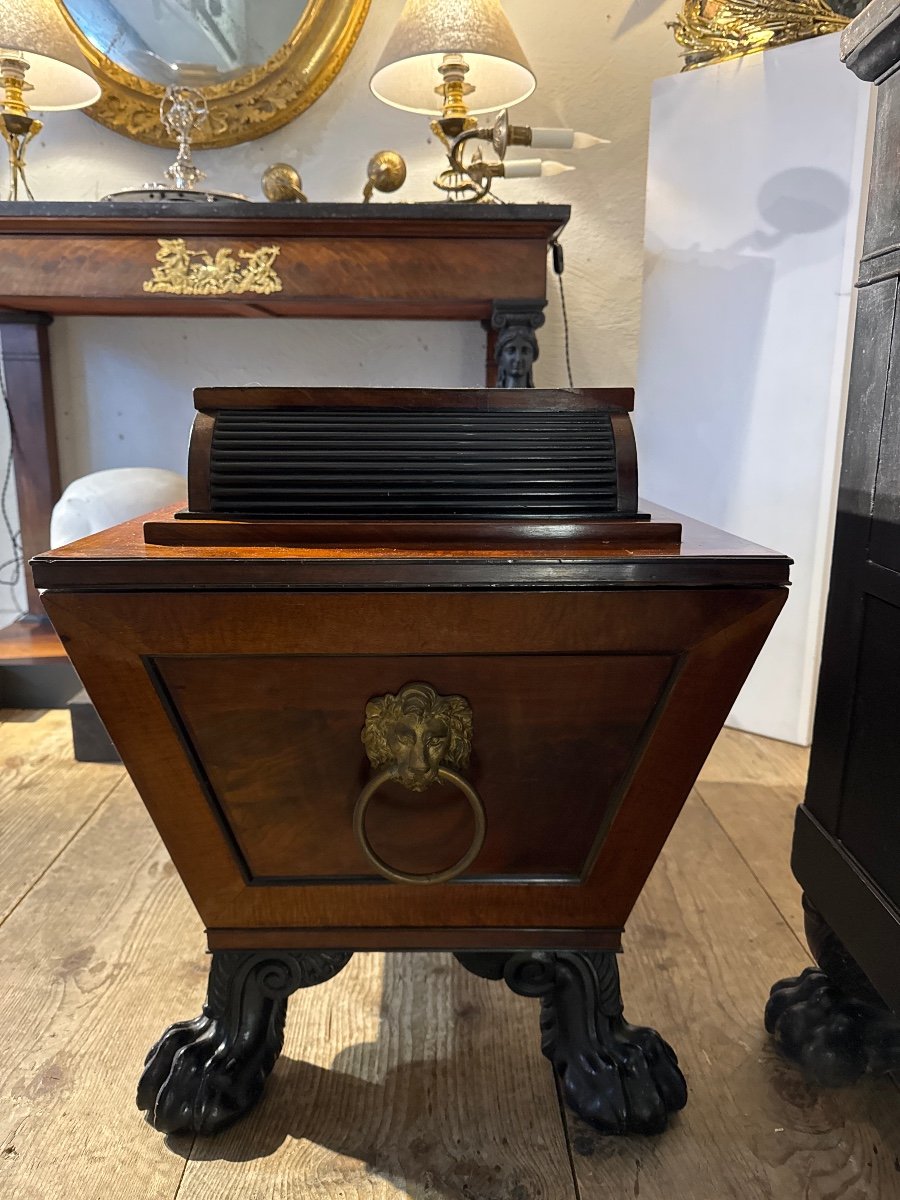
(202,1075)
(831,1021)
(833,1035)
(619,1078)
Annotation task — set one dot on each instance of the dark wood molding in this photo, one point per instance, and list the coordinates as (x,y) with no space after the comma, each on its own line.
(849,900)
(550,400)
(870,45)
(52,218)
(418,937)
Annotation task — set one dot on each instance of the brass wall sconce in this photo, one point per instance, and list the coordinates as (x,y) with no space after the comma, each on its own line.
(480,174)
(425,68)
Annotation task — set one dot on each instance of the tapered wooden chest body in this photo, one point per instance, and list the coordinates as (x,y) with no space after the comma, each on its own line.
(470,733)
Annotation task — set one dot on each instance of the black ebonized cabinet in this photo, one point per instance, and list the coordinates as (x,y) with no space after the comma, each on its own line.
(842,1020)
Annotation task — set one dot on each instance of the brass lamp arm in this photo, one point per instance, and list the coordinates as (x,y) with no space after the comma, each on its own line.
(481,179)
(455,152)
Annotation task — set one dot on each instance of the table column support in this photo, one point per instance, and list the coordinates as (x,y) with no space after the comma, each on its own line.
(25,351)
(514,324)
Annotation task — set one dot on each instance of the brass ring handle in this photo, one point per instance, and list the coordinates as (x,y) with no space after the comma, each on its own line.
(389,872)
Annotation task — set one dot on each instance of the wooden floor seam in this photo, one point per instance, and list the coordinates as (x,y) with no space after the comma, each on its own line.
(62,850)
(804,950)
(407,1077)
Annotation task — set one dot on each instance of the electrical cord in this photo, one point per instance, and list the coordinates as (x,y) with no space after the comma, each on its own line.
(559,265)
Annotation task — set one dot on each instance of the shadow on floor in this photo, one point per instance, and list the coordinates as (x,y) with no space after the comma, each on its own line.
(413,1128)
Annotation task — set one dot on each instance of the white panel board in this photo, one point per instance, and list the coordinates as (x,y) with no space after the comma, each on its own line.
(755,180)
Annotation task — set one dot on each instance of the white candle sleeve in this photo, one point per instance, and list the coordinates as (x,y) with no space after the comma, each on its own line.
(532,168)
(553,139)
(565,139)
(522,168)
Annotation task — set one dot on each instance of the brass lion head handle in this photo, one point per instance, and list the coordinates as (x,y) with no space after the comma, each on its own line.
(417,738)
(416,732)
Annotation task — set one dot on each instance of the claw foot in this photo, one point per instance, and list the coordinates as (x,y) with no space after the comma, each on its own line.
(202,1075)
(617,1077)
(833,1035)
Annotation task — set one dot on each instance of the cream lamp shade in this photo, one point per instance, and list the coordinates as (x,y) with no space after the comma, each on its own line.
(479,30)
(58,73)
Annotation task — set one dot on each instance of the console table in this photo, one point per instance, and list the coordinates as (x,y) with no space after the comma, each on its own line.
(400,261)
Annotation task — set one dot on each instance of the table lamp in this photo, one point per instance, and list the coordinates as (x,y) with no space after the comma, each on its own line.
(453,59)
(41,67)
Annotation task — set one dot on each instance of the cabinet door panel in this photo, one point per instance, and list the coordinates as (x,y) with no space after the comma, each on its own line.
(870,813)
(278,741)
(874,377)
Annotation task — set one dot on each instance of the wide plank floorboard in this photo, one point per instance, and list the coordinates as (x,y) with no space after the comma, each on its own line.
(45,796)
(98,957)
(405,1076)
(753,786)
(703,947)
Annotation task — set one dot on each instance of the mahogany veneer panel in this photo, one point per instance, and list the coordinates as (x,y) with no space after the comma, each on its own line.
(714,633)
(278,740)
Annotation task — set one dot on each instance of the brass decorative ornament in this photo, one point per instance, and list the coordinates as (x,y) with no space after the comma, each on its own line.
(385,172)
(711,31)
(417,738)
(281,181)
(248,105)
(184,272)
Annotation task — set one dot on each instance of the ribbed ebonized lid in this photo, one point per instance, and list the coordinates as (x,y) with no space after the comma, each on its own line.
(396,463)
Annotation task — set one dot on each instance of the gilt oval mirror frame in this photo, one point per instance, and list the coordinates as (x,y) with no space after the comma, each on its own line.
(244,106)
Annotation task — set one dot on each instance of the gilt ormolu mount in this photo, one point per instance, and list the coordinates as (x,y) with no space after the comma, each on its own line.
(413,670)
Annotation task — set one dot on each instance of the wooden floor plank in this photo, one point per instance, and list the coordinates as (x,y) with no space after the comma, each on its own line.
(753,786)
(406,1076)
(745,758)
(403,1077)
(702,949)
(45,797)
(100,955)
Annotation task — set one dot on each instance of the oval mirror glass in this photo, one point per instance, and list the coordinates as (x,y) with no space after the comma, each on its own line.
(258,64)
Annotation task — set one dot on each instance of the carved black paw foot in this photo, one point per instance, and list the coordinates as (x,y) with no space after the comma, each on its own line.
(193,1082)
(834,1036)
(617,1077)
(204,1074)
(626,1080)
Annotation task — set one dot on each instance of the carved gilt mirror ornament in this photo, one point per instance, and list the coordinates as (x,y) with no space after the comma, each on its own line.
(714,31)
(257,66)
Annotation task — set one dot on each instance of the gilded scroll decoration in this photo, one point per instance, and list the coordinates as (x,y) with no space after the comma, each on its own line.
(184,272)
(711,31)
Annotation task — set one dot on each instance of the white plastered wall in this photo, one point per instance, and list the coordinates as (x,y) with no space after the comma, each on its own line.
(123,385)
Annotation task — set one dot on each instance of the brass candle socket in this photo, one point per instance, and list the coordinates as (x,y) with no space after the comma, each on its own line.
(17,127)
